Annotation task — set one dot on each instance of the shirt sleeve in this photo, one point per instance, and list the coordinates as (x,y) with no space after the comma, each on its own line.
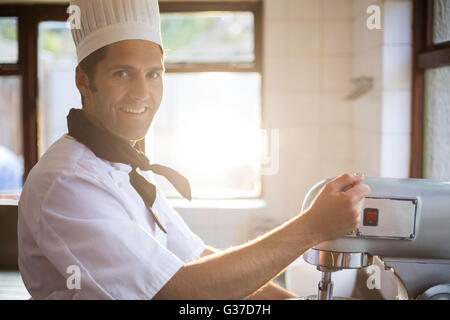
(180,238)
(82,223)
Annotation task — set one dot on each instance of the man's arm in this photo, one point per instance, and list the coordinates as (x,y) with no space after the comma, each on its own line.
(238,272)
(271,291)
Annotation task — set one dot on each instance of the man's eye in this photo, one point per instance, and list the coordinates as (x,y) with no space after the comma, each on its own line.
(121,74)
(154,75)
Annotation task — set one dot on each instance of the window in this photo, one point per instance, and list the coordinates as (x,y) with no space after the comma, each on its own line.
(431,100)
(11,141)
(19,83)
(208,37)
(441,21)
(437,124)
(8,40)
(58,93)
(11,147)
(208,126)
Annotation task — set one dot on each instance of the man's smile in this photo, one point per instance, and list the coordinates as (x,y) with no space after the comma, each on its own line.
(141,110)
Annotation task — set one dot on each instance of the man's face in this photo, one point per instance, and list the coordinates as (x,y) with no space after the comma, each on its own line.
(129,88)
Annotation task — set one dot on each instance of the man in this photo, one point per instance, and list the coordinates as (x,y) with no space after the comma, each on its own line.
(92,225)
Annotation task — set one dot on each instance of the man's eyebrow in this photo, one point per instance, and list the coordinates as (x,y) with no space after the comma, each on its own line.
(128,67)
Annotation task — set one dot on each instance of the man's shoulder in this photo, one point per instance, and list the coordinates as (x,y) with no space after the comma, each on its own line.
(67,155)
(65,158)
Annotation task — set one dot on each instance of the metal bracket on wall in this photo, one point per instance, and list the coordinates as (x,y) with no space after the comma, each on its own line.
(361,86)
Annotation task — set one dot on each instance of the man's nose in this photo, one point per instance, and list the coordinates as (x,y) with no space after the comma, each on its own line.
(140,89)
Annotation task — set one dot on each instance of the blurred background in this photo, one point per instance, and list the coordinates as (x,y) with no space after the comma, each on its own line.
(262,100)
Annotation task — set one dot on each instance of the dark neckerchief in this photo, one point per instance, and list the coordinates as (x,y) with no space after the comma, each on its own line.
(111,148)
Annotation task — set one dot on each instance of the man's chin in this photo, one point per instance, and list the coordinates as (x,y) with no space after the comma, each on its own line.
(131,135)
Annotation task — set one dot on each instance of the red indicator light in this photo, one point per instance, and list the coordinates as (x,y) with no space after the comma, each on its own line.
(370,217)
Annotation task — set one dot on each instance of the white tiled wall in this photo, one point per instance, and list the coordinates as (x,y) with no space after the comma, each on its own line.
(383,114)
(307,70)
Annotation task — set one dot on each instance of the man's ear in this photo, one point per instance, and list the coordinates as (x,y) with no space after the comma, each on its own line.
(82,81)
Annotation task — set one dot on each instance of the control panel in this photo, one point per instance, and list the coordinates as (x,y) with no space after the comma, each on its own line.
(387,218)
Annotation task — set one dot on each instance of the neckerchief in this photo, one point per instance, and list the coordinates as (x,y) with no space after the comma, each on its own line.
(111,148)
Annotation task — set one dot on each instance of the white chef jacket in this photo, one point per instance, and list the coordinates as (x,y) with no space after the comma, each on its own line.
(79,210)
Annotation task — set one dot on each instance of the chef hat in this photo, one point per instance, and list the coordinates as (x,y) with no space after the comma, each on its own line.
(102,22)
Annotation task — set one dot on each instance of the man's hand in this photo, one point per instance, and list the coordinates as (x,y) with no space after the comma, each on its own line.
(337,208)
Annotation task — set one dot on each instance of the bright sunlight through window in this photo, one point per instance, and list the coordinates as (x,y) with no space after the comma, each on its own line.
(208,126)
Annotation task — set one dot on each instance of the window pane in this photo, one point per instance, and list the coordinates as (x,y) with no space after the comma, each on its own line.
(8,40)
(57,89)
(11,148)
(441,21)
(208,128)
(437,124)
(208,37)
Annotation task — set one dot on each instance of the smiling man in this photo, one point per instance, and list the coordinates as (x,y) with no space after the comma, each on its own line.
(92,225)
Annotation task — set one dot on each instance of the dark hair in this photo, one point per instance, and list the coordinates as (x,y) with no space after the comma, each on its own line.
(89,66)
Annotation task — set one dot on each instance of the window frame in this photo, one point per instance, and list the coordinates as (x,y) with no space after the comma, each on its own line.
(426,54)
(253,6)
(29,17)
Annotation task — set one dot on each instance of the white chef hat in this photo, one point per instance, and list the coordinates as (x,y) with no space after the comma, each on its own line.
(102,22)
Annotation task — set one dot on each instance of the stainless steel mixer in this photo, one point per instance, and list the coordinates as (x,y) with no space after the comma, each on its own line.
(404,228)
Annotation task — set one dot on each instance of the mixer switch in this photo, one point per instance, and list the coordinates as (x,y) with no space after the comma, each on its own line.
(370,217)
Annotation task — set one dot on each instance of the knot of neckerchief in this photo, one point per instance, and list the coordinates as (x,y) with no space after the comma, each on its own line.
(111,148)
